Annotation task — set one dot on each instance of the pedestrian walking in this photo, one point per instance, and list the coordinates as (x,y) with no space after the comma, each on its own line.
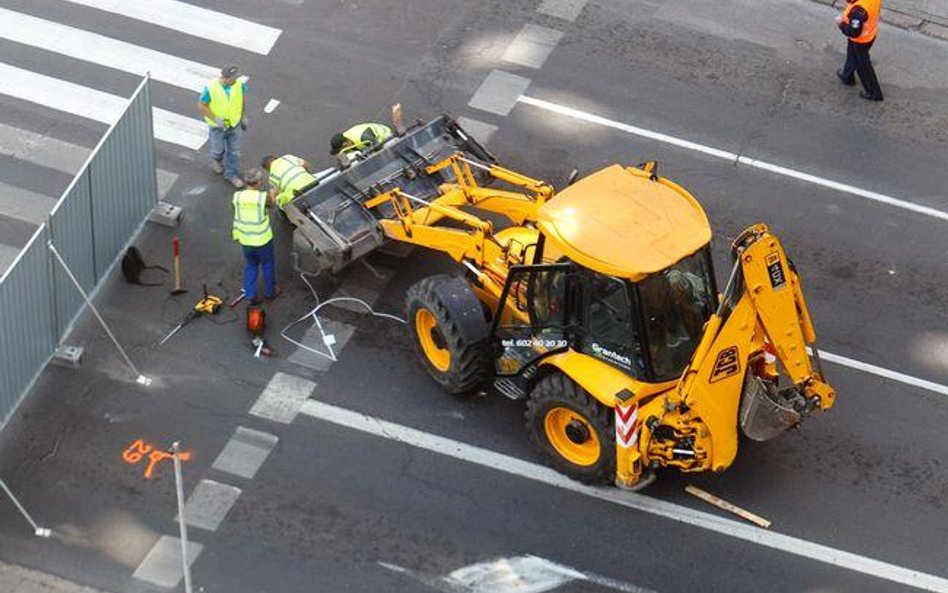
(289,174)
(859,23)
(253,232)
(222,104)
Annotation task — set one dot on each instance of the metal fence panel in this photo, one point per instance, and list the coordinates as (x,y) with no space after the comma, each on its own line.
(26,317)
(123,181)
(70,227)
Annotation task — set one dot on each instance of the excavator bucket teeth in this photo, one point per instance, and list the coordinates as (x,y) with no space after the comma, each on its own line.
(764,413)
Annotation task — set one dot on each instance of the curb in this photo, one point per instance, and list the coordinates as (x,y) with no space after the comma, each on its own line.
(16,579)
(903,20)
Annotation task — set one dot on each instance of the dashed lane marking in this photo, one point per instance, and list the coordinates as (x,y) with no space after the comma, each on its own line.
(478,129)
(499,92)
(193,20)
(245,452)
(162,565)
(532,46)
(282,398)
(208,504)
(336,332)
(733,157)
(568,10)
(531,471)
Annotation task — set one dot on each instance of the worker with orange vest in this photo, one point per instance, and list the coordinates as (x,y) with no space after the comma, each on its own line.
(859,23)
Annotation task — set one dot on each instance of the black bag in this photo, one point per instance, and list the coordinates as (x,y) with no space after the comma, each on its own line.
(133,264)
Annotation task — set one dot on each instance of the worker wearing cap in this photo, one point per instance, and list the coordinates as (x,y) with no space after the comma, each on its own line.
(252,230)
(359,138)
(859,23)
(223,102)
(288,175)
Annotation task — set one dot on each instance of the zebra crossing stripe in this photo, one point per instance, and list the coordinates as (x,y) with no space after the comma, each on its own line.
(104,51)
(96,105)
(193,20)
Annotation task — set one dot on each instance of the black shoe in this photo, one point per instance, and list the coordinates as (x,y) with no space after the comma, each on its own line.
(869,97)
(851,81)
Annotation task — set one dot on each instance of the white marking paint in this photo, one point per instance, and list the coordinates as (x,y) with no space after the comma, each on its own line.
(104,51)
(532,46)
(481,131)
(162,564)
(208,504)
(96,105)
(24,205)
(271,105)
(564,9)
(8,255)
(282,398)
(882,372)
(531,471)
(499,92)
(734,157)
(245,452)
(193,20)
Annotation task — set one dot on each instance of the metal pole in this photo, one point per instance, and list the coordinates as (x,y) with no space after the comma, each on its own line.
(142,379)
(182,526)
(40,531)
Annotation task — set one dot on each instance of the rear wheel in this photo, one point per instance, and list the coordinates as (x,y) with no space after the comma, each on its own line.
(449,332)
(572,429)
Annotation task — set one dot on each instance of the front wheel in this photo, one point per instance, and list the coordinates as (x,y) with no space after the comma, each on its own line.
(572,429)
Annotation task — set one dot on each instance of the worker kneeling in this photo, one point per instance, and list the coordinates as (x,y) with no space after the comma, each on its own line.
(289,175)
(252,230)
(358,139)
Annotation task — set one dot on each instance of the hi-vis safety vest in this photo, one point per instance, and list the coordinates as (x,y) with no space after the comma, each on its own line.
(363,135)
(251,219)
(230,107)
(869,28)
(288,175)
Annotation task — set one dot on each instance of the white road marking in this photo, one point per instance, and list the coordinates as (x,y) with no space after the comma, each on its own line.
(734,157)
(8,255)
(24,205)
(882,372)
(282,398)
(104,51)
(208,504)
(315,338)
(42,150)
(162,565)
(499,92)
(565,9)
(245,452)
(480,130)
(531,471)
(96,105)
(193,20)
(271,105)
(532,46)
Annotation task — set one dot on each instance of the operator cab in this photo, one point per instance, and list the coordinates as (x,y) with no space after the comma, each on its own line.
(622,273)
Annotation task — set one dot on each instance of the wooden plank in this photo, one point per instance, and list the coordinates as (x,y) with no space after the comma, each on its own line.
(726,506)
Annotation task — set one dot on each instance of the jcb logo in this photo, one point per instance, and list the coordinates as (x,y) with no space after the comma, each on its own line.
(726,364)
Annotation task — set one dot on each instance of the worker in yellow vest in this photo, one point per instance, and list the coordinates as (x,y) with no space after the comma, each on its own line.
(288,175)
(222,104)
(253,232)
(359,138)
(859,23)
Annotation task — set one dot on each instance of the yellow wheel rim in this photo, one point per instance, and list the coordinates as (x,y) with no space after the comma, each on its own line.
(572,436)
(432,341)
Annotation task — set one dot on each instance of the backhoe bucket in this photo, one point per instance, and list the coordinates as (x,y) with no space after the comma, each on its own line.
(763,416)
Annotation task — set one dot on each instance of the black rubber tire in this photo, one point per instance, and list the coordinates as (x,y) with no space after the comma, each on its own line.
(445,297)
(556,390)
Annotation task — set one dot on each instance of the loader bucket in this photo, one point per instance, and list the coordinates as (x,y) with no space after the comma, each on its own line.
(763,414)
(333,227)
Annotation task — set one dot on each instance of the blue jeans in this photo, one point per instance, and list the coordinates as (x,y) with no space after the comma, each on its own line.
(254,258)
(227,142)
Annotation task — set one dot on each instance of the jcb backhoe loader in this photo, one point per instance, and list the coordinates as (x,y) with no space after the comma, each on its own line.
(597,305)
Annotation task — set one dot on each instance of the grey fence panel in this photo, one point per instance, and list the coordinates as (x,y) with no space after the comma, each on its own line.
(28,336)
(123,181)
(70,227)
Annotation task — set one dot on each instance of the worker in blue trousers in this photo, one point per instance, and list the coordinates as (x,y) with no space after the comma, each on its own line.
(253,232)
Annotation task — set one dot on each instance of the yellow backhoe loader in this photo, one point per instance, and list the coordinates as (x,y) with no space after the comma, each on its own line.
(597,304)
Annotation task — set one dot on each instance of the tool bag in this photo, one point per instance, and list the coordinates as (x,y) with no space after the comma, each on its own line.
(133,264)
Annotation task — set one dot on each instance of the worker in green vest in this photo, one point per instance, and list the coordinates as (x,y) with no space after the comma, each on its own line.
(288,175)
(223,102)
(253,232)
(360,138)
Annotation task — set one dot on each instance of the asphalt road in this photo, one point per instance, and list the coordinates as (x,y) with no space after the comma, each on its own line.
(330,504)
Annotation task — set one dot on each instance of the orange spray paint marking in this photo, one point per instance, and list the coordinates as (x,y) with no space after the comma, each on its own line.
(137,451)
